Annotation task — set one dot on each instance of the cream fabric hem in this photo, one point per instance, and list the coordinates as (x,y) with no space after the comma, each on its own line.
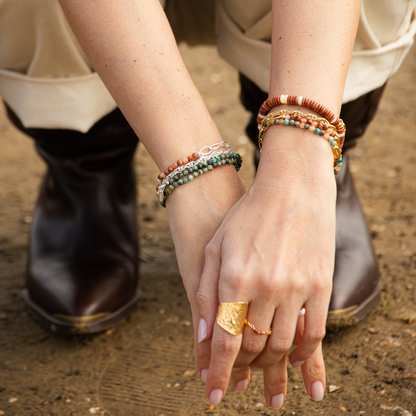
(369,69)
(74,103)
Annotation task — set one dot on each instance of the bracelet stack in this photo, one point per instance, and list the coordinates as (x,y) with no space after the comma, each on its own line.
(316,125)
(185,170)
(330,126)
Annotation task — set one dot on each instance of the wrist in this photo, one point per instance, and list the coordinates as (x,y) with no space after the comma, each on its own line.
(296,158)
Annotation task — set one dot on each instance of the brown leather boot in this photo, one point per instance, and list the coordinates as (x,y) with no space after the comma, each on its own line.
(356,284)
(82,274)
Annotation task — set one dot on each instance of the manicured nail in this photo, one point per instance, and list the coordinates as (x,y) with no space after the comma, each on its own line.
(215,397)
(202,330)
(241,385)
(204,374)
(297,364)
(317,391)
(255,368)
(277,401)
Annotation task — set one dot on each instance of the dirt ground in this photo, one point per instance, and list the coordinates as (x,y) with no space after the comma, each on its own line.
(144,366)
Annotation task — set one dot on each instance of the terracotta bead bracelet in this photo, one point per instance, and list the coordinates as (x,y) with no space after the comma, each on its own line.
(308,122)
(303,102)
(195,156)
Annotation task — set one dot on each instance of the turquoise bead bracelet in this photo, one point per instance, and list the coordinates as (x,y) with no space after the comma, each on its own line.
(319,126)
(189,172)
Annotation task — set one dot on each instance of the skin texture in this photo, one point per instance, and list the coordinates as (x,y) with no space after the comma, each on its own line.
(272,247)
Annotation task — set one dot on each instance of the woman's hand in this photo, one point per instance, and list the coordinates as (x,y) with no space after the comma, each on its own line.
(274,251)
(195,211)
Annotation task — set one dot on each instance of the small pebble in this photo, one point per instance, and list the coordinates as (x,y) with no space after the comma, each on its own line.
(1,413)
(95,410)
(13,399)
(168,385)
(189,373)
(342,408)
(176,385)
(210,407)
(68,401)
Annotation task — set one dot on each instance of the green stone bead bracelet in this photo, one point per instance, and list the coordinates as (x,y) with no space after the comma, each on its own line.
(204,166)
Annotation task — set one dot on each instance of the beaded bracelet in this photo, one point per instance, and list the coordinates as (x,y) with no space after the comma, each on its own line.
(190,161)
(308,122)
(303,102)
(208,159)
(205,151)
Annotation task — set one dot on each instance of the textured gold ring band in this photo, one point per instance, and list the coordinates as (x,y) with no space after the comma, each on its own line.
(232,316)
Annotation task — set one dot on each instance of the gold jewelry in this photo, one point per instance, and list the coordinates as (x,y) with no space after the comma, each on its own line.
(269,332)
(231,316)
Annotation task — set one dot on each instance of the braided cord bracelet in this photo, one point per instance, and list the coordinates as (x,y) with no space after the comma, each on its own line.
(310,122)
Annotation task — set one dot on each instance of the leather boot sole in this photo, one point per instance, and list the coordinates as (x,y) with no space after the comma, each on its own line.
(89,324)
(343,318)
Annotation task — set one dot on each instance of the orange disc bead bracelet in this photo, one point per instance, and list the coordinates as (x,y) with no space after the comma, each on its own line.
(324,112)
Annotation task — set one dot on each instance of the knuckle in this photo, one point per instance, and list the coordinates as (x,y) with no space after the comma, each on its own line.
(251,347)
(315,335)
(225,346)
(280,346)
(202,299)
(210,252)
(234,277)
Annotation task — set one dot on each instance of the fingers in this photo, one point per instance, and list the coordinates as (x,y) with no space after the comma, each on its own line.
(314,330)
(207,296)
(313,372)
(275,382)
(261,316)
(240,377)
(224,350)
(281,339)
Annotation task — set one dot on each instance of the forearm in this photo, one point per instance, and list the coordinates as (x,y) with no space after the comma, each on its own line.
(311,48)
(131,46)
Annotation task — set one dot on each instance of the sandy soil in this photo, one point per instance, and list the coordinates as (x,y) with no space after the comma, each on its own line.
(145,365)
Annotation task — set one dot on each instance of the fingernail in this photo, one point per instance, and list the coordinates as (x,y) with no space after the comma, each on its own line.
(241,385)
(317,391)
(297,364)
(204,374)
(255,368)
(277,401)
(215,397)
(202,330)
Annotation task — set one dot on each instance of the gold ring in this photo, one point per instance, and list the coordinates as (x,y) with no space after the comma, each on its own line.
(231,316)
(269,332)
